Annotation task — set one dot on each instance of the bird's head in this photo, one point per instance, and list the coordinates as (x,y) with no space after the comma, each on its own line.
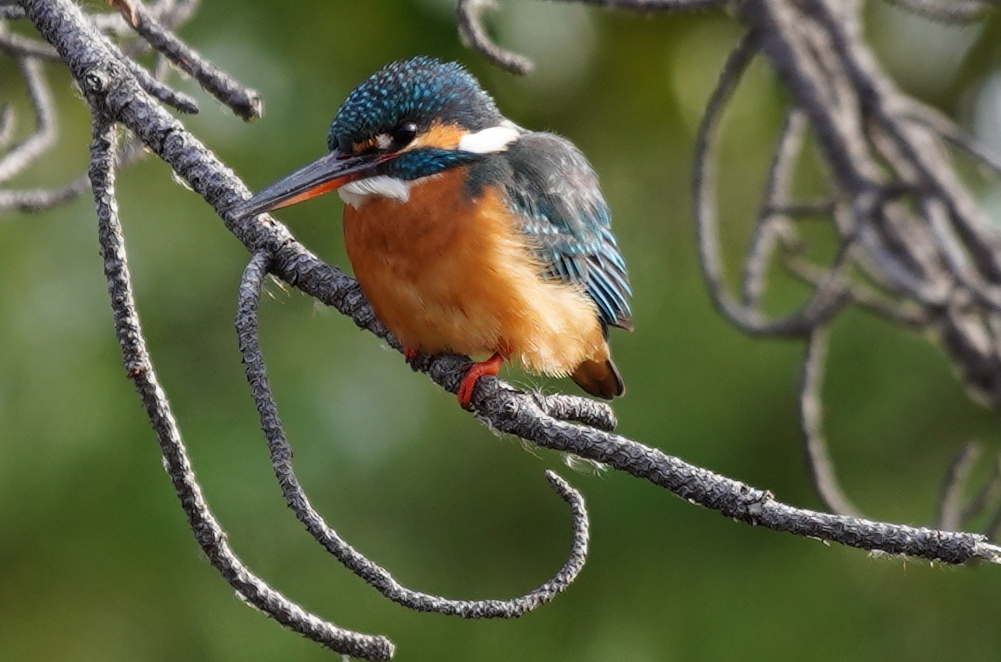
(413,119)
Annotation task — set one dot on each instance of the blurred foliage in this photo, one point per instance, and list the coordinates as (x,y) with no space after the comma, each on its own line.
(97,563)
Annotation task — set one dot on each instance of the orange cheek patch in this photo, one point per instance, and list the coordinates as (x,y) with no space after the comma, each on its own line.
(440,135)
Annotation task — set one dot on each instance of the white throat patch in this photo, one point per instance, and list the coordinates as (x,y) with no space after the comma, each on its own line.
(489,141)
(357,193)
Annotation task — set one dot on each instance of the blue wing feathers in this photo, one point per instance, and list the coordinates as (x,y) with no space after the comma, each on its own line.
(567,221)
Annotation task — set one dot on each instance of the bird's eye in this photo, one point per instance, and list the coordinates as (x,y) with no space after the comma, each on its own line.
(404,134)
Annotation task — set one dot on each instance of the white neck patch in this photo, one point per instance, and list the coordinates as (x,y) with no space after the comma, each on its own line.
(358,192)
(491,140)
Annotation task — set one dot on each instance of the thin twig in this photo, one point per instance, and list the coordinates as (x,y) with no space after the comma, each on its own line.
(40,199)
(771,226)
(160,90)
(811,409)
(987,495)
(20,46)
(903,312)
(948,130)
(826,299)
(298,501)
(243,101)
(954,11)
(469,17)
(950,505)
(22,155)
(469,14)
(6,125)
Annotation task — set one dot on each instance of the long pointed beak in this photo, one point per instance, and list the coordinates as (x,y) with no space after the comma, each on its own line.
(323,175)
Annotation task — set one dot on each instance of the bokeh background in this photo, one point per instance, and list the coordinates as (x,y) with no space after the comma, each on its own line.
(97,563)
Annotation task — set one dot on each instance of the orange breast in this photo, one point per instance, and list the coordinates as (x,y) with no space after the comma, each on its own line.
(449,274)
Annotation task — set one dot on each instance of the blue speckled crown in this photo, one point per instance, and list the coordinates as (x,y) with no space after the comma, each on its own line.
(418,90)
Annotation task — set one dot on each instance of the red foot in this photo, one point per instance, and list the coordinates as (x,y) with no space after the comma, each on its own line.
(489,367)
(409,353)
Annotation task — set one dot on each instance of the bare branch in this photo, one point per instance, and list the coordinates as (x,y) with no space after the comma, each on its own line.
(772,226)
(353,560)
(160,90)
(139,368)
(812,420)
(19,46)
(474,34)
(948,130)
(242,100)
(6,125)
(828,297)
(35,200)
(987,496)
(508,411)
(21,156)
(951,502)
(963,11)
(469,14)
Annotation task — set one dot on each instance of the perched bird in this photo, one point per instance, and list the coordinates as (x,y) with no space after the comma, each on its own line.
(468,233)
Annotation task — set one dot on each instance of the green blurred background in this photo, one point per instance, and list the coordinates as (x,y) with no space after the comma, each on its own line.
(97,563)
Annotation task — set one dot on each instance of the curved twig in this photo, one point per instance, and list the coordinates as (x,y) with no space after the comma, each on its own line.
(773,225)
(353,560)
(828,297)
(963,11)
(139,368)
(811,406)
(6,125)
(948,130)
(987,496)
(950,506)
(21,156)
(39,199)
(469,17)
(21,46)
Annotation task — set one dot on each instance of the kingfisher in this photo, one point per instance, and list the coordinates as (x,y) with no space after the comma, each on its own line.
(468,233)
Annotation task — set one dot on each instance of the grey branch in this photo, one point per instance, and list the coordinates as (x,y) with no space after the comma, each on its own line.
(241,100)
(470,13)
(298,501)
(21,156)
(139,368)
(914,247)
(963,11)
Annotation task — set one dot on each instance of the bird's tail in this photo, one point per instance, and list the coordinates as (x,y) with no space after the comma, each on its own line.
(599,378)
